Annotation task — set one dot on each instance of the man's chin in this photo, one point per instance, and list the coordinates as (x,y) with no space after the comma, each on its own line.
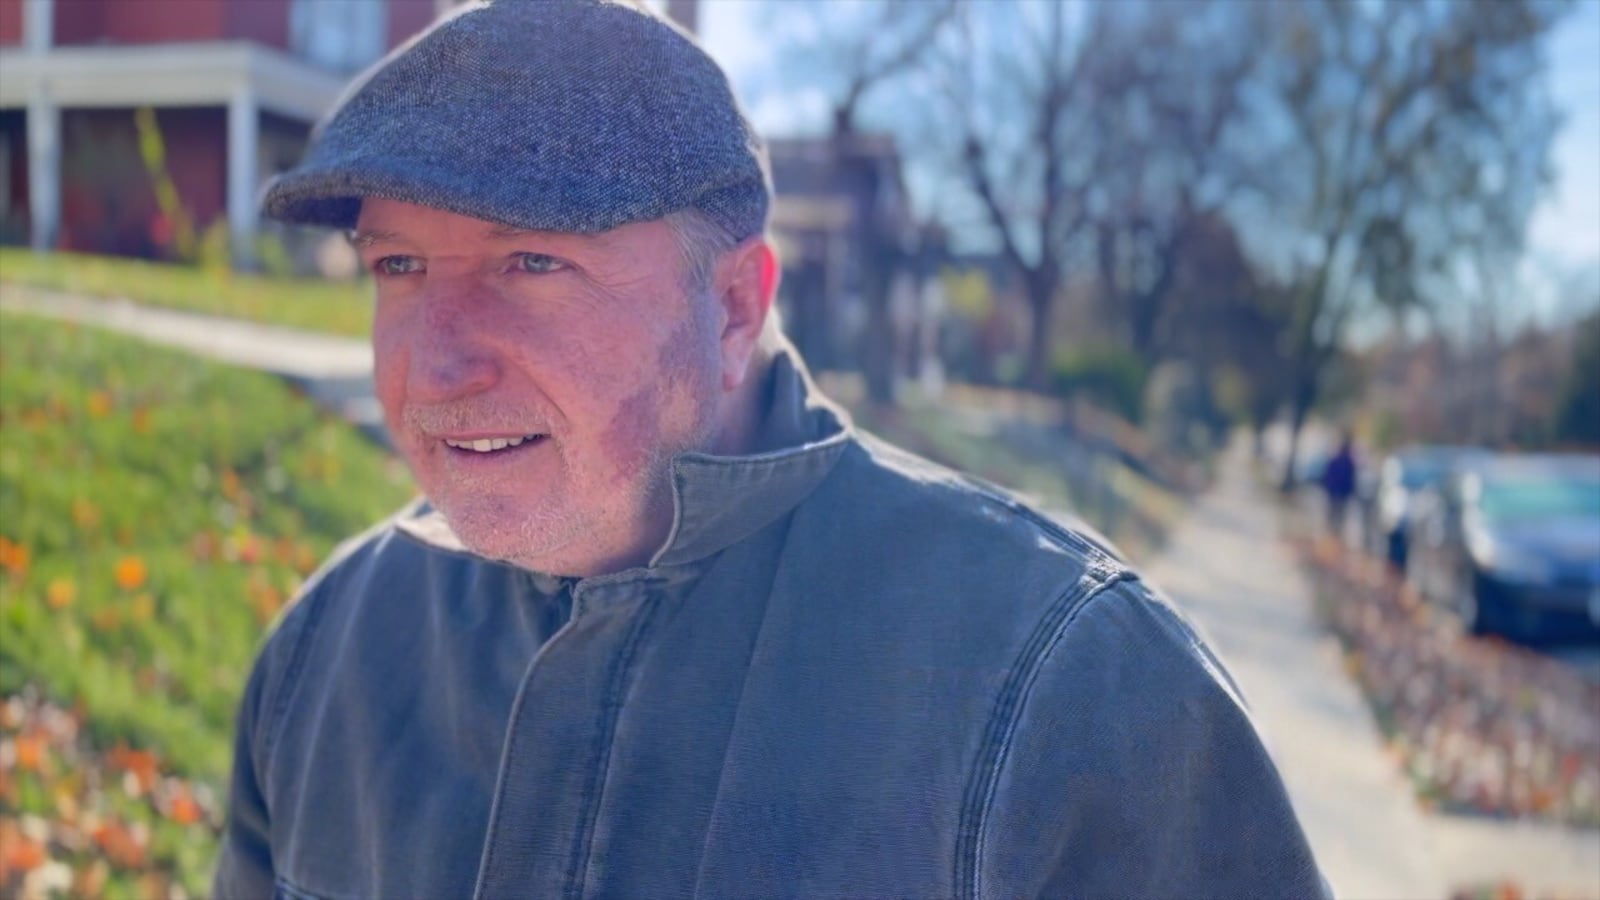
(497,535)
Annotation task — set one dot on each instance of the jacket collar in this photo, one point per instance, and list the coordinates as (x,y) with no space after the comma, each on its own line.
(721,500)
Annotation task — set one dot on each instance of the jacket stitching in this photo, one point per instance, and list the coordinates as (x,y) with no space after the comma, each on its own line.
(508,753)
(610,711)
(981,788)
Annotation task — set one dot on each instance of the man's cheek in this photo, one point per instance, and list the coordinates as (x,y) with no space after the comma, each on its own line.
(389,362)
(633,435)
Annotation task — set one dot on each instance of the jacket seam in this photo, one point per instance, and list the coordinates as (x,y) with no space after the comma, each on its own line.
(610,711)
(760,632)
(508,751)
(1012,699)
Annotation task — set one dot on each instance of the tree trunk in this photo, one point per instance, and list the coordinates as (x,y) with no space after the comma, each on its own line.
(1038,369)
(878,344)
(1305,394)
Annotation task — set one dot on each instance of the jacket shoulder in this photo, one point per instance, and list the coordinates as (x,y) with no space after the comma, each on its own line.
(914,549)
(1128,713)
(334,590)
(897,488)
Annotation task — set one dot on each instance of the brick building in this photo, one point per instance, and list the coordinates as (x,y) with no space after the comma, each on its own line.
(235,86)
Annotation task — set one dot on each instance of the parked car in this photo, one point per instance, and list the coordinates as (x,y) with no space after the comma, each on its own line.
(1405,474)
(1512,544)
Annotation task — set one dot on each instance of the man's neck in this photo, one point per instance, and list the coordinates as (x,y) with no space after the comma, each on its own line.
(744,410)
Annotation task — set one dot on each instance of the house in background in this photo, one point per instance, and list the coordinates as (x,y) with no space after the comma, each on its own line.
(236,86)
(860,286)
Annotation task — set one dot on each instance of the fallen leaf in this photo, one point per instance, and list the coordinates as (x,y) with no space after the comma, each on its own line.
(120,845)
(30,752)
(24,856)
(91,882)
(143,765)
(183,809)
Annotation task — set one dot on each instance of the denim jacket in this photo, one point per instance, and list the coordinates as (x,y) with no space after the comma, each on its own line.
(847,673)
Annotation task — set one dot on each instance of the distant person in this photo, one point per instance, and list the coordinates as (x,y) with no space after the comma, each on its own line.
(667,624)
(1339,483)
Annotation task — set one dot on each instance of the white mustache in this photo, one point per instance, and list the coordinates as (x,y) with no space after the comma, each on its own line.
(475,415)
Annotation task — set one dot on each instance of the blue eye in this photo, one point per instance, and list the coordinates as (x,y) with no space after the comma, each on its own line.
(538,263)
(398,265)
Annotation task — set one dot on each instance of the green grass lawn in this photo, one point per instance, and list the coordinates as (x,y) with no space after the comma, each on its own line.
(343,308)
(156,512)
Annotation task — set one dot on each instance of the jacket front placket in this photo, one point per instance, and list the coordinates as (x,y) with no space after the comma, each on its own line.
(559,740)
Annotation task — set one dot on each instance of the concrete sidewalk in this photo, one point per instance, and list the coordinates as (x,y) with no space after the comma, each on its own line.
(335,371)
(1227,569)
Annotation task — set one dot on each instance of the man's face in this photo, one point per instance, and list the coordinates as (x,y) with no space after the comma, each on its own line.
(538,384)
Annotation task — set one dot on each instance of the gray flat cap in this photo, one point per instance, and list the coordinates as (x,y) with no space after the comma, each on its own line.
(554,115)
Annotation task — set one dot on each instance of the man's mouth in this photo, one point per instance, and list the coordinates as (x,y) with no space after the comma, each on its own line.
(493,445)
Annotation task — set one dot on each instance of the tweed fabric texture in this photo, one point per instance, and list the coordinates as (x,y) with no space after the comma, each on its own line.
(553,115)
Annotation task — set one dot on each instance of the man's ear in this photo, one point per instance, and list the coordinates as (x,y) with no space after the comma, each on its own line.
(746,280)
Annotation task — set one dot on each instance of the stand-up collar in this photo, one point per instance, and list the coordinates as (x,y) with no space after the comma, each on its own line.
(721,500)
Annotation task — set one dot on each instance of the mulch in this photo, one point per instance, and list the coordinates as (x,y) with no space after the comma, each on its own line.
(1482,726)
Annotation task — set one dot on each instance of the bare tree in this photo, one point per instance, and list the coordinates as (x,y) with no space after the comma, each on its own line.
(1165,97)
(1226,318)
(1015,87)
(1412,135)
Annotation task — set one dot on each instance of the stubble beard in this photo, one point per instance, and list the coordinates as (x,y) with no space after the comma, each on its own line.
(490,516)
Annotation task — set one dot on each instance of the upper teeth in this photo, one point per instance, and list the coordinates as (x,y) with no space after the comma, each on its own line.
(486,445)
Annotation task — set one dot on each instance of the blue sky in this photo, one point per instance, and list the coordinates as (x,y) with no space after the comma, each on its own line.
(1564,234)
(1565,231)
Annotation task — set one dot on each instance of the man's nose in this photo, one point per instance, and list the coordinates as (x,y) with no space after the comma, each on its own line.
(454,355)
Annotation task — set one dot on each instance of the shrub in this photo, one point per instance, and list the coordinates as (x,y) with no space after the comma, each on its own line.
(1113,377)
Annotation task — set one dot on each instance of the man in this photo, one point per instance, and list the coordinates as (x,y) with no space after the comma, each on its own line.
(1339,482)
(666,624)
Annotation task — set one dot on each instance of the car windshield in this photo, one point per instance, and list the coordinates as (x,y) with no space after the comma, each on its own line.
(1419,472)
(1541,495)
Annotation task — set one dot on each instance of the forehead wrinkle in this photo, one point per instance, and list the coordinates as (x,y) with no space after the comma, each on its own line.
(512,232)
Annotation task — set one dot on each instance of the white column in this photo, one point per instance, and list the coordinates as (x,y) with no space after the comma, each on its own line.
(44,131)
(44,168)
(38,24)
(244,130)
